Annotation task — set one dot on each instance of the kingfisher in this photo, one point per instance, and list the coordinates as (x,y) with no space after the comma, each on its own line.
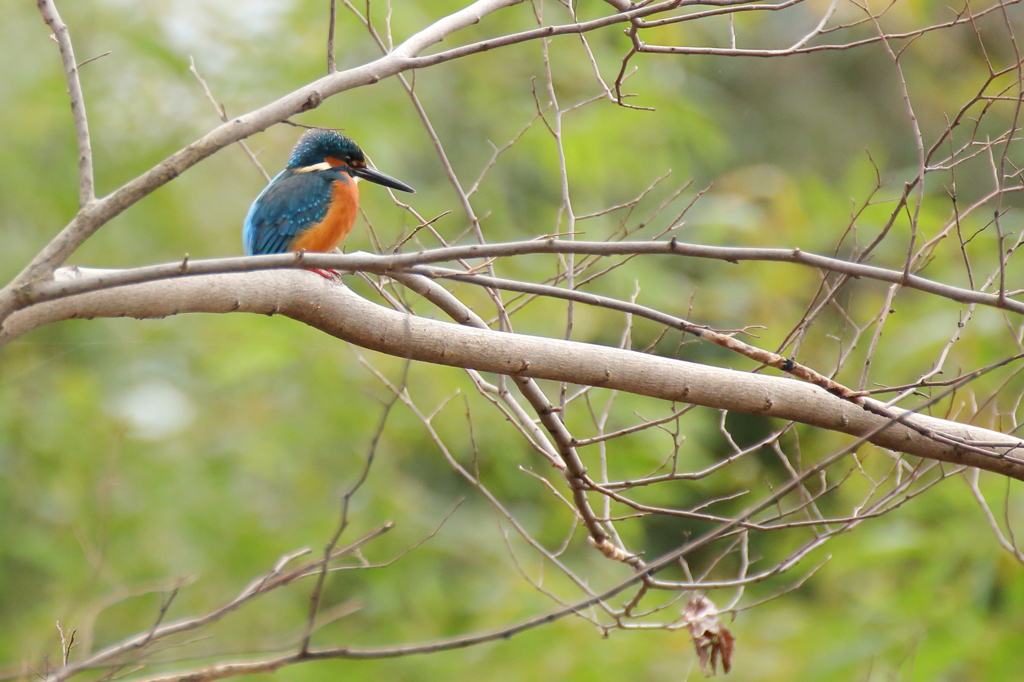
(312,204)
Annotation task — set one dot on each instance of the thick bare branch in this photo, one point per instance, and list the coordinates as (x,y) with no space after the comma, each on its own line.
(339,312)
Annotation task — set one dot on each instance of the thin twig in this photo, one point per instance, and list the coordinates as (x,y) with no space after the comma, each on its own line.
(222,113)
(86,182)
(331,24)
(316,594)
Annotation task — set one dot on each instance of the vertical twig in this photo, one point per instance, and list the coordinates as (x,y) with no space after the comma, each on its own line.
(314,598)
(331,64)
(566,209)
(914,215)
(67,643)
(1000,171)
(86,182)
(883,315)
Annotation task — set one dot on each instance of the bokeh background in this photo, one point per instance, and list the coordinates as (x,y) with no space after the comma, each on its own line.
(201,448)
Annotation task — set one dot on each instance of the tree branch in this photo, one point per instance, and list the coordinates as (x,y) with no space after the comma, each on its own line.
(49,290)
(339,312)
(86,182)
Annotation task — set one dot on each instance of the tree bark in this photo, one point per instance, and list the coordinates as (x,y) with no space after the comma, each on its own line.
(338,311)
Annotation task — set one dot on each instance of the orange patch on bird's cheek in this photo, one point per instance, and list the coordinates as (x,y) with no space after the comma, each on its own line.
(334,162)
(332,230)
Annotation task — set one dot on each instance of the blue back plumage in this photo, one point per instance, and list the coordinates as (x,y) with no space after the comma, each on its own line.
(290,204)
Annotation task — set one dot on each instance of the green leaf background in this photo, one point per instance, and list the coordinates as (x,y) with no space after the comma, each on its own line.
(201,448)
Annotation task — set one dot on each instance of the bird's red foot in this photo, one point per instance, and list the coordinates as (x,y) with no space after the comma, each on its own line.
(332,275)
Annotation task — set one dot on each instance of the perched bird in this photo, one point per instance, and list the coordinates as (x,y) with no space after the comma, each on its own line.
(312,204)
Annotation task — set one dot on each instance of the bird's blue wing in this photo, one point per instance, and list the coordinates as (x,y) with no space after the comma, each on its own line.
(290,204)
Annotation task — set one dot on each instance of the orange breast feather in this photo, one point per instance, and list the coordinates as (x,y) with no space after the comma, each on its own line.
(332,230)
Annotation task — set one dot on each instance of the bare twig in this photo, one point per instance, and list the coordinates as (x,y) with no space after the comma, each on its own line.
(332,22)
(76,282)
(315,596)
(86,182)
(222,113)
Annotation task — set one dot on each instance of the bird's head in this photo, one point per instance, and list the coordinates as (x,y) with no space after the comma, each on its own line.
(322,150)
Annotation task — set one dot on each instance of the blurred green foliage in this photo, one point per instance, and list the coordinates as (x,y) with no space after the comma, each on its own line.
(137,454)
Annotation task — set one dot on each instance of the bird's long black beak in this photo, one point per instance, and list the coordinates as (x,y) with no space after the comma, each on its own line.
(374,175)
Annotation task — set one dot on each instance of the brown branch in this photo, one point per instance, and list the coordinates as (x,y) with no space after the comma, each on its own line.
(272,580)
(799,47)
(554,425)
(86,181)
(270,665)
(359,261)
(329,550)
(648,10)
(337,311)
(474,481)
(573,470)
(332,21)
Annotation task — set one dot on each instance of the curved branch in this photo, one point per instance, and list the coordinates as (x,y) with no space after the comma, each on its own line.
(339,312)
